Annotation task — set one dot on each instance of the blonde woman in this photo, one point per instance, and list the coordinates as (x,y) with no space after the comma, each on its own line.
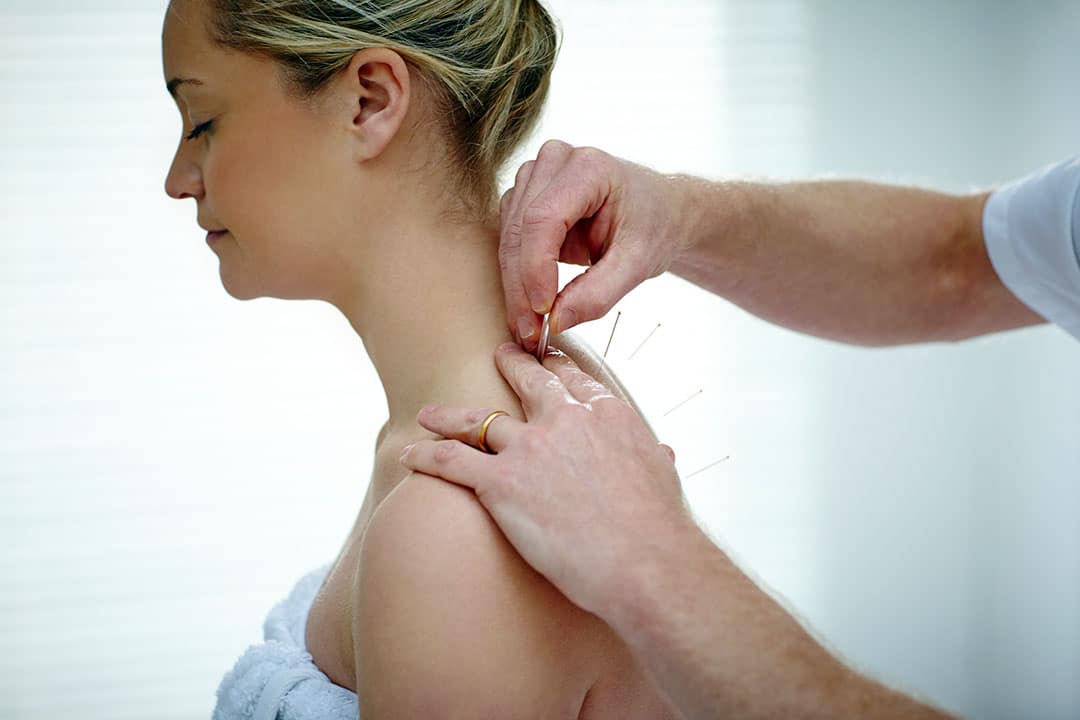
(347,151)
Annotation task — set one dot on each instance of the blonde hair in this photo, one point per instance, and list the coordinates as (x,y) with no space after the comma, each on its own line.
(488,62)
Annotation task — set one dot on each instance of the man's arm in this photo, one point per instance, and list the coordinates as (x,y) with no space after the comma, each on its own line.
(856,262)
(720,647)
(590,500)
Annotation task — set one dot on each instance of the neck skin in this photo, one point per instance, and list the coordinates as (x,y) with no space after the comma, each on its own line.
(430,312)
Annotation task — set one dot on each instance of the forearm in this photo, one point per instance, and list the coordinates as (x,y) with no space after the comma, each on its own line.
(855,262)
(720,647)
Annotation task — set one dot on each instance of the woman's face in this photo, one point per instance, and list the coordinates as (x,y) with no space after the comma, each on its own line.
(268,170)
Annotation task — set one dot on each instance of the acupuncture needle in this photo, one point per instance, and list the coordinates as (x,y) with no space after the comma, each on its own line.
(610,337)
(643,342)
(717,462)
(603,360)
(684,402)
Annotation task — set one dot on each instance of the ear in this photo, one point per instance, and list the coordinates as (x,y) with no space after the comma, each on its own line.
(378,82)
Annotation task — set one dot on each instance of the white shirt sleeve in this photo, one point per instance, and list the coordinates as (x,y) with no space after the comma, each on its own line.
(1032,232)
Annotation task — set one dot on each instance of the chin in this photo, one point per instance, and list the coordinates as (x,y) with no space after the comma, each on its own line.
(247,284)
(241,292)
(238,291)
(238,296)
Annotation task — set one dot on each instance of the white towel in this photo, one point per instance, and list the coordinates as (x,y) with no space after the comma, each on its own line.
(277,679)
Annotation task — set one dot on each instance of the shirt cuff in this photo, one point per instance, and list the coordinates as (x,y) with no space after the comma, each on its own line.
(1032,231)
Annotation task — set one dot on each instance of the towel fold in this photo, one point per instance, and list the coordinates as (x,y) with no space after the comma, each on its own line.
(277,679)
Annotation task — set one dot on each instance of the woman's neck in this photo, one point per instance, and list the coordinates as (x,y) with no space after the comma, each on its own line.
(430,312)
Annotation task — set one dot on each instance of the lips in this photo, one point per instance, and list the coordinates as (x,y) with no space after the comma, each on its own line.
(213,235)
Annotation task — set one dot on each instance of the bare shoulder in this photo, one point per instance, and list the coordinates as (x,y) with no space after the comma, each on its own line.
(449,621)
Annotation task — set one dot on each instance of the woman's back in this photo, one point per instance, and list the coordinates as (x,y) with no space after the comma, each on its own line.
(429,611)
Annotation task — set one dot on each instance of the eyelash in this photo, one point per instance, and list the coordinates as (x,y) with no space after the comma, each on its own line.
(199,130)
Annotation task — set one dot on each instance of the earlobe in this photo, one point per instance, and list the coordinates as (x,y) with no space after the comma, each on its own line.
(380,82)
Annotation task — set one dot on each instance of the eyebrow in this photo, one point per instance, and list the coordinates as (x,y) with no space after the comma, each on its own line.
(172,84)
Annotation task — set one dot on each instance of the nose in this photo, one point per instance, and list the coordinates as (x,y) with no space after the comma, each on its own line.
(184,178)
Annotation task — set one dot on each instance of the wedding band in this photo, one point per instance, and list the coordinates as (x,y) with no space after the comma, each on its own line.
(484,428)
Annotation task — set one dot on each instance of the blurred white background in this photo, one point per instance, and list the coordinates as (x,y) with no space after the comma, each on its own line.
(173,460)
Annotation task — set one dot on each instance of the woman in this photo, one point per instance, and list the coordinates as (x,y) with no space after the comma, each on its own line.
(347,151)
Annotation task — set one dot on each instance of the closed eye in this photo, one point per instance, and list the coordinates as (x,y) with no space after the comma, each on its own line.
(199,130)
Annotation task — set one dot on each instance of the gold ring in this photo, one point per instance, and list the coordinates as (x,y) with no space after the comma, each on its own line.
(484,428)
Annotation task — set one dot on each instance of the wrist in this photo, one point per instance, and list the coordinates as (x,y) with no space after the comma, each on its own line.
(714,220)
(691,202)
(664,571)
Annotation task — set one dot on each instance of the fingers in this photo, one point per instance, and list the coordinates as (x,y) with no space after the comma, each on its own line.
(538,388)
(669,451)
(463,424)
(583,188)
(522,304)
(450,460)
(550,196)
(520,318)
(582,386)
(540,250)
(594,292)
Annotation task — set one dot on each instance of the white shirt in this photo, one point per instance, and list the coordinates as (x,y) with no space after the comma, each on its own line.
(1032,232)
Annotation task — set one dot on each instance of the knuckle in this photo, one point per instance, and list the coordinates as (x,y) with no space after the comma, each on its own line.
(592,386)
(523,172)
(609,409)
(528,382)
(504,202)
(591,156)
(445,453)
(436,415)
(511,241)
(564,421)
(476,416)
(534,215)
(572,414)
(553,147)
(535,442)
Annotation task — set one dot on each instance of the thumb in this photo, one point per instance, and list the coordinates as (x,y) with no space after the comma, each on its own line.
(592,293)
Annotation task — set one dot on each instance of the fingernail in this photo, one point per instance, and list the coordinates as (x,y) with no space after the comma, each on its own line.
(424,411)
(538,305)
(566,318)
(526,328)
(405,450)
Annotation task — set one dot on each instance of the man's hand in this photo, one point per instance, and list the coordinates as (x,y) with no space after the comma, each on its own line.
(589,499)
(583,206)
(582,490)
